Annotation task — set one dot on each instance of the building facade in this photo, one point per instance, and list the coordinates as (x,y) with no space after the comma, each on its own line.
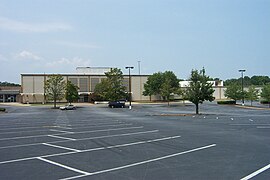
(10,94)
(86,78)
(32,86)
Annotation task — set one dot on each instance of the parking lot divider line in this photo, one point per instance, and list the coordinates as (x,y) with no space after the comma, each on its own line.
(101,125)
(17,132)
(17,160)
(112,129)
(83,139)
(61,147)
(42,128)
(87,150)
(256,172)
(249,124)
(263,127)
(131,144)
(61,127)
(55,130)
(63,166)
(59,137)
(81,132)
(32,127)
(141,162)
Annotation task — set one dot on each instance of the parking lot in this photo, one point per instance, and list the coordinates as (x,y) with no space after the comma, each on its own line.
(150,141)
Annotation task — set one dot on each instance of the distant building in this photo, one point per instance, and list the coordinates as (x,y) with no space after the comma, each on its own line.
(218,86)
(93,70)
(10,93)
(86,79)
(214,83)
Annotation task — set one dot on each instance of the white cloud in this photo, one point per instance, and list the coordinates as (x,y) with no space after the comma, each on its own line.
(27,55)
(77,45)
(74,62)
(26,27)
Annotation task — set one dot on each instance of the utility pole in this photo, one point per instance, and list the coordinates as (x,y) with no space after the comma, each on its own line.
(129,67)
(140,86)
(242,74)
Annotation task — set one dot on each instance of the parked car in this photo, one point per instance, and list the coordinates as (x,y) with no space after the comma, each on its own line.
(68,107)
(117,104)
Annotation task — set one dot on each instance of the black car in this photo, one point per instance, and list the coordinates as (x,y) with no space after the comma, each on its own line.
(117,104)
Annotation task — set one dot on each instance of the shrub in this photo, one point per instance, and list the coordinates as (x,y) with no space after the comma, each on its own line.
(227,102)
(264,102)
(2,109)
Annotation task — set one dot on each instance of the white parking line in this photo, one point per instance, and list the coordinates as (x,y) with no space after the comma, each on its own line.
(41,129)
(249,124)
(263,127)
(256,172)
(60,137)
(61,147)
(55,130)
(63,166)
(90,138)
(32,127)
(81,132)
(74,151)
(141,162)
(61,127)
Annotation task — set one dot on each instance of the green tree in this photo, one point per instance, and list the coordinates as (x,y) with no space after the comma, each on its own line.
(252,94)
(55,88)
(8,84)
(112,87)
(234,91)
(163,84)
(166,90)
(200,89)
(265,94)
(153,84)
(260,80)
(71,93)
(101,89)
(169,85)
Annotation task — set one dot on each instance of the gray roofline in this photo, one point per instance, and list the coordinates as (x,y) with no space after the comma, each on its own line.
(76,74)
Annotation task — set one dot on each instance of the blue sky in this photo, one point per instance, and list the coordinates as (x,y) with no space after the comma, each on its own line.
(56,36)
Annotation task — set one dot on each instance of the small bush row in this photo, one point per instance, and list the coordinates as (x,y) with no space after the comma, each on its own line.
(2,109)
(264,102)
(227,102)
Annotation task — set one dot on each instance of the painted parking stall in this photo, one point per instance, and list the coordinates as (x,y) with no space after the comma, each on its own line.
(98,142)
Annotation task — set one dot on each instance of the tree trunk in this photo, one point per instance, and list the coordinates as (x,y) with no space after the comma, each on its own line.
(197,108)
(54,103)
(150,98)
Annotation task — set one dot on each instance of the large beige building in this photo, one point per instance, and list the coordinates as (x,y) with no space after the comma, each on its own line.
(86,78)
(32,86)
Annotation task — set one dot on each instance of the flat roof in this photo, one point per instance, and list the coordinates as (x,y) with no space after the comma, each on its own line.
(73,74)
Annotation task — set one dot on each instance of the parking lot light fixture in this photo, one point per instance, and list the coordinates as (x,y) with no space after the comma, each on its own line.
(242,75)
(129,84)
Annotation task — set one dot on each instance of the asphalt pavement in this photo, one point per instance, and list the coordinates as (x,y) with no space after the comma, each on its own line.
(150,141)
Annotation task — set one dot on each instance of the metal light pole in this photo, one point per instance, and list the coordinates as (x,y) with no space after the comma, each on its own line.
(129,67)
(139,67)
(242,74)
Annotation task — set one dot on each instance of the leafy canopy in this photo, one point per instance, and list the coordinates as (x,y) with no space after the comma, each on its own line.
(265,94)
(55,88)
(112,87)
(252,94)
(163,84)
(234,91)
(200,89)
(71,93)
